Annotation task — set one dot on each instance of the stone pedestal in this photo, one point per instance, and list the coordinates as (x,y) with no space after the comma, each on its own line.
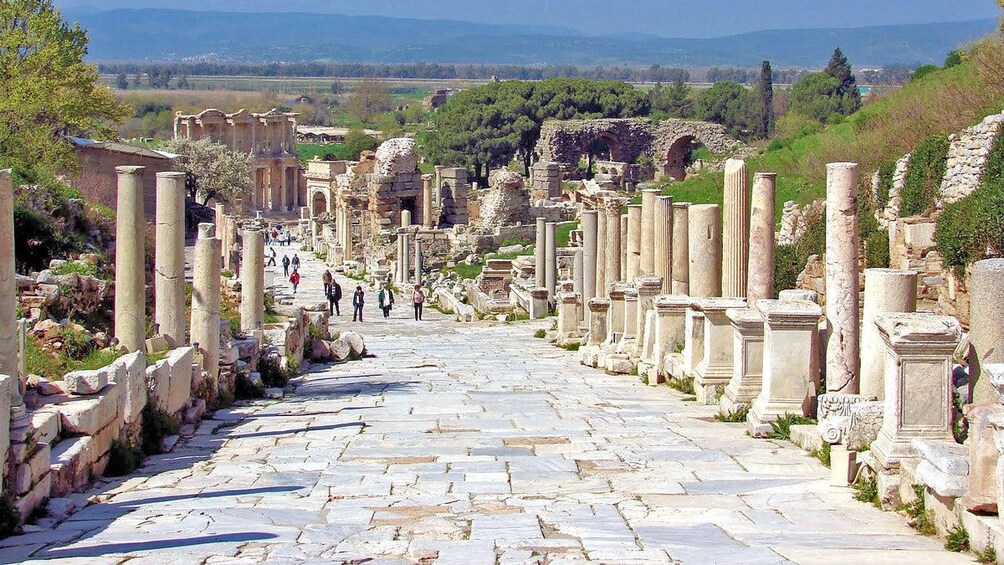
(714,371)
(8,306)
(670,323)
(789,330)
(681,249)
(663,242)
(647,257)
(918,382)
(886,290)
(568,317)
(634,242)
(602,285)
(747,356)
(646,288)
(539,306)
(253,282)
(550,258)
(842,348)
(539,255)
(616,324)
(169,261)
(736,229)
(130,261)
(986,328)
(693,344)
(588,226)
(705,235)
(206,301)
(760,279)
(599,310)
(630,314)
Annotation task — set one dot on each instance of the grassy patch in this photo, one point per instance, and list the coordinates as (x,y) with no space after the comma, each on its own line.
(54,366)
(734,417)
(572,347)
(867,491)
(957,539)
(157,425)
(916,511)
(781,428)
(823,454)
(686,385)
(465,271)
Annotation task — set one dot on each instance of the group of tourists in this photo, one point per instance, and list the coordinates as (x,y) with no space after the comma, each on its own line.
(278,236)
(385,300)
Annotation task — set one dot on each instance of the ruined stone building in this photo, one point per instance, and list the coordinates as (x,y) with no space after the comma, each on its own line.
(269,137)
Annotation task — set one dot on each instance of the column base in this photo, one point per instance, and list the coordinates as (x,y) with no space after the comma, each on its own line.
(765,412)
(740,392)
(618,364)
(710,383)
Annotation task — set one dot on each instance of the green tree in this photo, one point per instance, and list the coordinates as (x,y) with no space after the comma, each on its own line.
(953,59)
(847,87)
(729,104)
(368,99)
(815,96)
(765,97)
(214,171)
(46,89)
(121,81)
(357,141)
(674,101)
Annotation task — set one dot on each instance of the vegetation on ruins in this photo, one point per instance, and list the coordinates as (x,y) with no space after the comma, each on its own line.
(925,171)
(10,518)
(781,428)
(47,91)
(957,539)
(916,512)
(212,170)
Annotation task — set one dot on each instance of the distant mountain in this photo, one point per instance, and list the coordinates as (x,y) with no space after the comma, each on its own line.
(176,35)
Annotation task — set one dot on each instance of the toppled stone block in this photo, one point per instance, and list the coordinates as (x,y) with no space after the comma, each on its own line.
(157,344)
(948,457)
(180,378)
(355,343)
(86,382)
(273,393)
(134,387)
(88,415)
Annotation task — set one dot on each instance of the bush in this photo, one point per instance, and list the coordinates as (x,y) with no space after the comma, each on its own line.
(123,458)
(76,344)
(923,71)
(10,519)
(157,425)
(957,539)
(917,512)
(245,389)
(275,376)
(781,428)
(734,417)
(886,172)
(925,172)
(867,491)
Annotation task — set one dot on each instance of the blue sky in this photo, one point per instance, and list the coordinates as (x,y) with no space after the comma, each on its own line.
(667,18)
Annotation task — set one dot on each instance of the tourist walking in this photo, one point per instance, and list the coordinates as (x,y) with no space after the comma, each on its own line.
(326,278)
(386,300)
(296,262)
(285,265)
(333,298)
(295,279)
(357,304)
(418,300)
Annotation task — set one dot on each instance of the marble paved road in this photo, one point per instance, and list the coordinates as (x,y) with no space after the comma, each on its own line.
(474,444)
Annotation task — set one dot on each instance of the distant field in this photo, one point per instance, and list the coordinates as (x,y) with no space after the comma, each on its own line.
(304,85)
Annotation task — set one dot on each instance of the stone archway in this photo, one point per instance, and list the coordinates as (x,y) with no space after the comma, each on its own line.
(319,203)
(676,158)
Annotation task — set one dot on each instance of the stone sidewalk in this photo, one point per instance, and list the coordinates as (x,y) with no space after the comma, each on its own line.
(474,444)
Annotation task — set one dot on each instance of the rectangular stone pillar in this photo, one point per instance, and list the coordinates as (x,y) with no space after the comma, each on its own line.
(130,261)
(539,305)
(599,309)
(681,249)
(714,371)
(918,382)
(550,259)
(568,317)
(747,359)
(736,228)
(705,254)
(616,324)
(588,226)
(843,357)
(788,388)
(648,200)
(253,282)
(540,255)
(670,323)
(633,242)
(630,314)
(577,279)
(8,299)
(206,302)
(693,344)
(169,261)
(663,242)
(760,278)
(427,199)
(646,287)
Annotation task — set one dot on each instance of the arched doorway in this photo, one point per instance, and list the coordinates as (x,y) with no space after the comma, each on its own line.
(318,204)
(678,157)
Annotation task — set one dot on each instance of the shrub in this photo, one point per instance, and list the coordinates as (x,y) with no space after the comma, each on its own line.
(923,71)
(988,555)
(76,344)
(781,428)
(925,171)
(157,425)
(686,385)
(886,173)
(10,519)
(123,458)
(245,389)
(867,491)
(917,512)
(275,376)
(734,417)
(957,539)
(540,334)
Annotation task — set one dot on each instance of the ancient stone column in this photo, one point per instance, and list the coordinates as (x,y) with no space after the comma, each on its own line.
(602,288)
(598,312)
(613,245)
(681,249)
(787,360)
(633,242)
(130,260)
(842,349)
(169,261)
(647,288)
(647,263)
(405,218)
(705,234)
(747,359)
(568,317)
(406,261)
(230,250)
(540,255)
(886,290)
(760,279)
(918,376)
(206,301)
(8,301)
(577,278)
(219,219)
(427,198)
(253,281)
(986,328)
(662,251)
(624,248)
(419,261)
(550,259)
(399,275)
(736,229)
(588,225)
(714,371)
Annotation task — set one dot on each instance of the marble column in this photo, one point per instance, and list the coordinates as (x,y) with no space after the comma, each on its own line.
(886,290)
(8,303)
(842,348)
(705,254)
(599,309)
(736,229)
(399,275)
(551,260)
(439,186)
(787,386)
(624,248)
(419,261)
(588,225)
(253,282)
(206,301)
(986,330)
(633,242)
(663,242)
(578,279)
(406,261)
(918,383)
(427,198)
(681,249)
(602,289)
(647,258)
(540,255)
(130,260)
(714,371)
(230,250)
(760,279)
(219,215)
(747,359)
(613,245)
(169,261)
(405,218)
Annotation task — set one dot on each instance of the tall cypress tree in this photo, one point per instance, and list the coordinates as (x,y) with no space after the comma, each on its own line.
(847,91)
(765,92)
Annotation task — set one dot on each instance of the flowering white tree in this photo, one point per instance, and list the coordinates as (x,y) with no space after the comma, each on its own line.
(213,170)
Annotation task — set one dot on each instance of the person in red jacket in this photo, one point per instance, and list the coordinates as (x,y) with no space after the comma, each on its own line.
(295,279)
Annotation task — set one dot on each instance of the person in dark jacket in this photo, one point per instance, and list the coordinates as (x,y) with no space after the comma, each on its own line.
(334,297)
(357,304)
(285,265)
(326,279)
(386,299)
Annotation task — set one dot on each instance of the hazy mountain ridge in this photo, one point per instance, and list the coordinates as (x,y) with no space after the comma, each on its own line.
(173,35)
